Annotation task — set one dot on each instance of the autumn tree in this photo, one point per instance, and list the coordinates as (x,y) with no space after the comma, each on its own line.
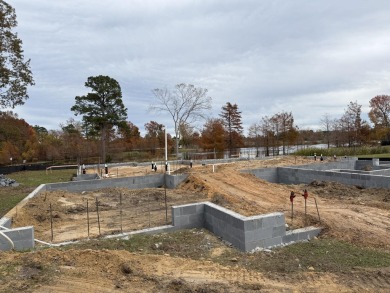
(18,139)
(102,109)
(155,135)
(72,139)
(131,135)
(213,136)
(231,120)
(185,104)
(354,128)
(380,116)
(15,73)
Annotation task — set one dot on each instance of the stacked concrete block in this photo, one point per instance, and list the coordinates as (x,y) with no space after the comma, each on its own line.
(264,231)
(301,234)
(268,174)
(188,216)
(244,233)
(136,182)
(226,224)
(298,176)
(22,238)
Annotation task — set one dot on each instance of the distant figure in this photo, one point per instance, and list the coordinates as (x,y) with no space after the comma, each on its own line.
(334,157)
(315,157)
(106,169)
(152,165)
(321,158)
(166,166)
(84,169)
(155,167)
(191,164)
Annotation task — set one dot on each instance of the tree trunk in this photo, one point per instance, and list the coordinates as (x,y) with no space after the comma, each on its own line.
(103,146)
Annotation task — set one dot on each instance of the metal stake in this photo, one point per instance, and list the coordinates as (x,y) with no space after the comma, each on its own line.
(97,212)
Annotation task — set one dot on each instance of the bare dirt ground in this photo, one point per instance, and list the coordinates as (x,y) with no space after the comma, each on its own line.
(353,214)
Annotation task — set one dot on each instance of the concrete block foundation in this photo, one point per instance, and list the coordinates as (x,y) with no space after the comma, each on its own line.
(245,233)
(18,238)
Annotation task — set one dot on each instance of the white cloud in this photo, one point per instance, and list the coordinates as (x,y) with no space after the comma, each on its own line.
(307,57)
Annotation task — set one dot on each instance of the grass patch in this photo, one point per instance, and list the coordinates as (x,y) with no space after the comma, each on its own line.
(193,244)
(323,255)
(36,178)
(363,151)
(28,180)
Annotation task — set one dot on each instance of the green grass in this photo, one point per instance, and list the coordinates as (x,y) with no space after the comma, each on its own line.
(28,181)
(363,151)
(322,254)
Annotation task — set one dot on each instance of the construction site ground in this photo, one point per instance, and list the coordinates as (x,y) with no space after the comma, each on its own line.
(196,260)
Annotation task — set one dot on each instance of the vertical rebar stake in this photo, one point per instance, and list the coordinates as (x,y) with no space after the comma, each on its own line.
(97,212)
(292,213)
(88,218)
(315,200)
(51,223)
(305,214)
(166,206)
(149,208)
(121,211)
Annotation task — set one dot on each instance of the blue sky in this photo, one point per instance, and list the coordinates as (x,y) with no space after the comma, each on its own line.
(307,57)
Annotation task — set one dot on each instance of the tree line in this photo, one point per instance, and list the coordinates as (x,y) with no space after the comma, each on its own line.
(105,134)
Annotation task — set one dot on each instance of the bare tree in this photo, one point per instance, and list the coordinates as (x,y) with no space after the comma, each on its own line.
(254,133)
(185,104)
(326,123)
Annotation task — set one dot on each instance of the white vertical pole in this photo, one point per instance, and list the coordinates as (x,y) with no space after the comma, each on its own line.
(166,152)
(166,146)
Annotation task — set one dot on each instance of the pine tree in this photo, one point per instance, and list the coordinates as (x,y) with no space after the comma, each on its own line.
(231,119)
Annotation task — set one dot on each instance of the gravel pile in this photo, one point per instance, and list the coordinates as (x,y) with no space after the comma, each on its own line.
(4,181)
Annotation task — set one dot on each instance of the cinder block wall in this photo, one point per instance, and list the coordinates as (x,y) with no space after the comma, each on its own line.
(349,163)
(268,174)
(22,238)
(226,224)
(129,182)
(245,233)
(297,176)
(137,182)
(264,231)
(188,216)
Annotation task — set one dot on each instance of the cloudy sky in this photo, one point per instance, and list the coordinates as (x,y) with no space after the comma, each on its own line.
(304,56)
